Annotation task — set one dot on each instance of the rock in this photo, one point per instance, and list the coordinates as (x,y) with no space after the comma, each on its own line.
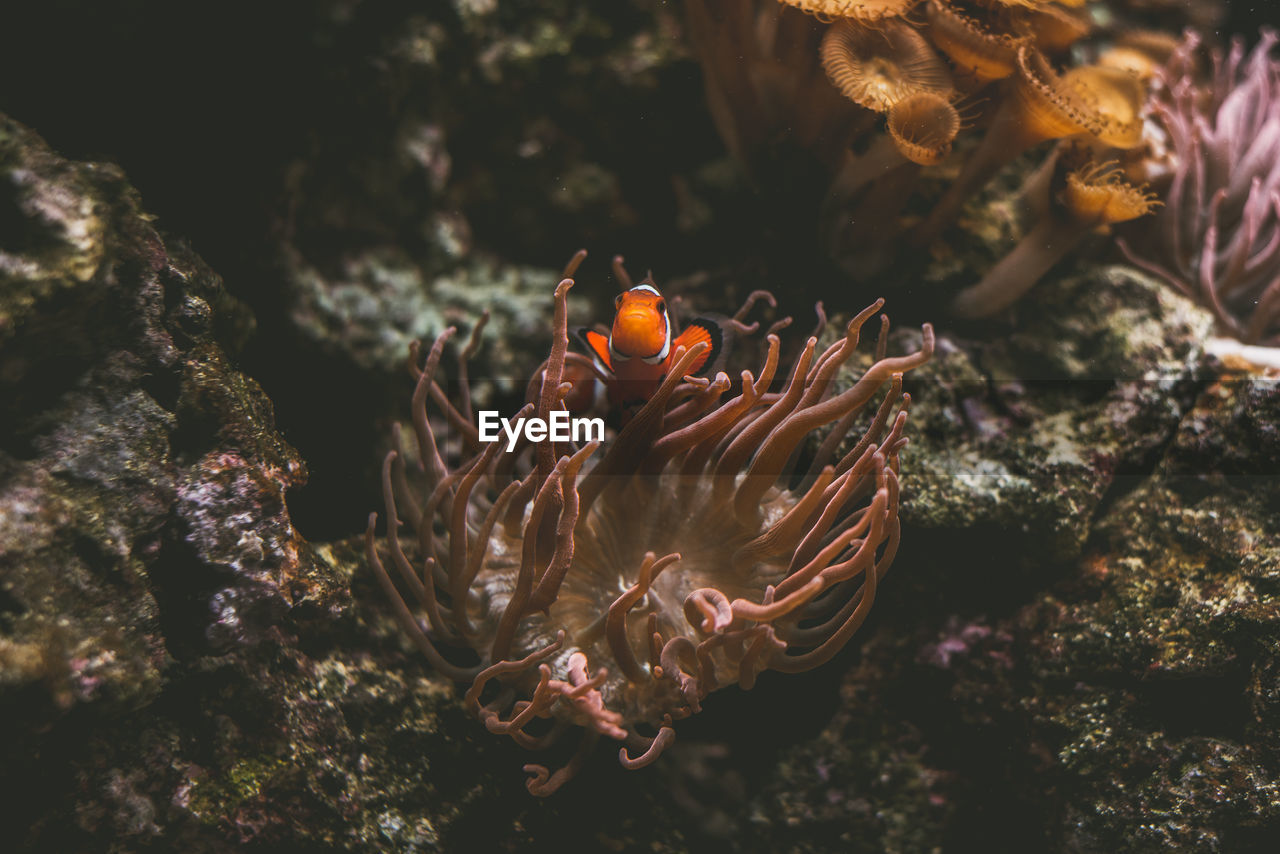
(1024,434)
(1125,701)
(1169,638)
(142,510)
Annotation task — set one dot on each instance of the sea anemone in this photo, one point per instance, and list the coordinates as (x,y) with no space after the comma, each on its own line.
(611,589)
(1218,238)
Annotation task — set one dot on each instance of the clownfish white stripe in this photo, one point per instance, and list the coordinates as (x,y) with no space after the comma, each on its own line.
(638,351)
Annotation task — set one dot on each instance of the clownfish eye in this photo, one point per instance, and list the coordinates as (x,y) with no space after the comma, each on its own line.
(662,306)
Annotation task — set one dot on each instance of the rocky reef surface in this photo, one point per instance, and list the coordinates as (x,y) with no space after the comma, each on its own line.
(1078,648)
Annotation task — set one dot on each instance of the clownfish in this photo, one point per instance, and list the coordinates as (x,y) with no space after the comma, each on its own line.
(640,350)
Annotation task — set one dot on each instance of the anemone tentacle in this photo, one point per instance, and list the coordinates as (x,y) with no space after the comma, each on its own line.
(614,588)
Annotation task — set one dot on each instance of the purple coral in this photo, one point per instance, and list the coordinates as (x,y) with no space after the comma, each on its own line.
(1218,237)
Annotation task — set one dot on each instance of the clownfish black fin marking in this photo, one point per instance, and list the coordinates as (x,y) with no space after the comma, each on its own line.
(598,345)
(701,329)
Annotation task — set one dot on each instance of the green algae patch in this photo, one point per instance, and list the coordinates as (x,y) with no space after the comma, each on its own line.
(1028,431)
(245,781)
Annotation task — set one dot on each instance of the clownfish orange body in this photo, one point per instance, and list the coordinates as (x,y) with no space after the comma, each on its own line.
(640,349)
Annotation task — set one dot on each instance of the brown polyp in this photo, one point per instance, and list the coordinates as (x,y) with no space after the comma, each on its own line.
(1096,193)
(1114,97)
(1052,28)
(859,10)
(923,127)
(976,50)
(1092,196)
(1131,60)
(1142,53)
(1049,109)
(1040,108)
(763,80)
(877,67)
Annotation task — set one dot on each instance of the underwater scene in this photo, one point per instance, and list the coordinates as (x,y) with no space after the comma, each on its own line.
(651,425)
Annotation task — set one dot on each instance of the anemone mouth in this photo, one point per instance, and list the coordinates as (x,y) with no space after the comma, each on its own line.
(975,49)
(878,67)
(868,11)
(1098,193)
(923,126)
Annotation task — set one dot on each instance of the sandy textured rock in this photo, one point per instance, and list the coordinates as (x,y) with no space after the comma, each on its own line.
(1026,433)
(142,513)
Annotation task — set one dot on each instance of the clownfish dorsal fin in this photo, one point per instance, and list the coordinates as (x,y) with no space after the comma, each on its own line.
(701,330)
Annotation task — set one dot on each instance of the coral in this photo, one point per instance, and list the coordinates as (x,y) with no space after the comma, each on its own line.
(1024,436)
(997,60)
(1218,238)
(382,301)
(690,555)
(1112,643)
(1168,639)
(144,483)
